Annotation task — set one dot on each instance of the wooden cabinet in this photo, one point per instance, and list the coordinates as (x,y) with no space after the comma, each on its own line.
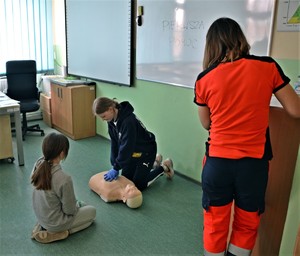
(6,149)
(285,138)
(71,109)
(45,106)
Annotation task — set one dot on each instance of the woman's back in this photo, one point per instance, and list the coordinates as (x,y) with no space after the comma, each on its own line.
(238,95)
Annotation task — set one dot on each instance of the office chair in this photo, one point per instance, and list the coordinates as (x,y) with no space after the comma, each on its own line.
(21,86)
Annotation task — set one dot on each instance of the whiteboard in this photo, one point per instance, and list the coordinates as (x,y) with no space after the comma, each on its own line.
(98,34)
(171,38)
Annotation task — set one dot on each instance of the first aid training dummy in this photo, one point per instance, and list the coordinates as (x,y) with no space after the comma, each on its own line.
(121,189)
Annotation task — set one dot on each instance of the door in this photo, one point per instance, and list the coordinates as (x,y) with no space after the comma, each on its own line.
(61,108)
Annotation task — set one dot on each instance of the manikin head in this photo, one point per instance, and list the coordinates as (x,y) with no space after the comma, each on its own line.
(132,196)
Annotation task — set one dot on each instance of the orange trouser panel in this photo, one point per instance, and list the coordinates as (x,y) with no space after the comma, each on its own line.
(216,228)
(244,228)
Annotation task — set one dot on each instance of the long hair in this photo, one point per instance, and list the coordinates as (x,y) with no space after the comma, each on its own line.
(102,104)
(225,41)
(53,145)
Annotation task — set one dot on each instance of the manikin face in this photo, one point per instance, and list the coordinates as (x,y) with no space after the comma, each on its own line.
(130,191)
(108,115)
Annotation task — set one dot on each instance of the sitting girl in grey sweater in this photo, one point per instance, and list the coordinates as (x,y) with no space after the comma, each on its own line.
(55,206)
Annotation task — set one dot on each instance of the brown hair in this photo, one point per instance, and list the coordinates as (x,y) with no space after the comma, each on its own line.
(102,104)
(225,41)
(53,145)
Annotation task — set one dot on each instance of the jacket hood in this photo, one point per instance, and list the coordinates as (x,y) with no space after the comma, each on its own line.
(125,109)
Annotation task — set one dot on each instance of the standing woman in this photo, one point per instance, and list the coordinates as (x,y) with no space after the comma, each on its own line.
(133,147)
(56,208)
(233,95)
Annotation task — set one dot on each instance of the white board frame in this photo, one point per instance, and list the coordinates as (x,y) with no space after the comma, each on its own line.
(99,40)
(170,49)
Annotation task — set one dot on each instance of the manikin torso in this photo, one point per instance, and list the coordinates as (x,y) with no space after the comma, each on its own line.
(121,189)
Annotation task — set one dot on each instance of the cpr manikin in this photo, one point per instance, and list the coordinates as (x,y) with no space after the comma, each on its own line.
(121,189)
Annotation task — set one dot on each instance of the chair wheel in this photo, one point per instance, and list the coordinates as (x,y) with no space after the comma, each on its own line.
(11,159)
(42,134)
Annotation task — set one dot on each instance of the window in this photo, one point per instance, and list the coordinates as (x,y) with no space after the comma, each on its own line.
(26,32)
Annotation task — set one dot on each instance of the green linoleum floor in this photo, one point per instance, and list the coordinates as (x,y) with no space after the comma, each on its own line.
(168,223)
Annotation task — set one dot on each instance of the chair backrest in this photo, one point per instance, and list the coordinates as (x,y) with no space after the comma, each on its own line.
(21,79)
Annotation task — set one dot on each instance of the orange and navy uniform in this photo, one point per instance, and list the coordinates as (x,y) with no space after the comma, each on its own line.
(238,148)
(238,95)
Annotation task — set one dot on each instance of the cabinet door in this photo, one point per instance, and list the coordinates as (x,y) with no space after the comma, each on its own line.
(83,118)
(56,105)
(66,115)
(61,108)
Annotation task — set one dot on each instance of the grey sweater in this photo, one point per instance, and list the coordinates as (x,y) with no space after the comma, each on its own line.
(55,209)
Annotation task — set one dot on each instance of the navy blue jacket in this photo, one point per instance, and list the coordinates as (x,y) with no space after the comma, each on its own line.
(129,137)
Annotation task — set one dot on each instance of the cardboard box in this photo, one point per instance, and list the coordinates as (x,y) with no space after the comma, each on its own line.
(46,83)
(45,103)
(47,118)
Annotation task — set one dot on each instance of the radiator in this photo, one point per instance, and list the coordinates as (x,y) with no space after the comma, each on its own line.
(37,115)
